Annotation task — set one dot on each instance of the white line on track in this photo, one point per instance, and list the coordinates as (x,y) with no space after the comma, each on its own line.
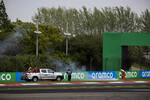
(140,81)
(116,82)
(2,85)
(63,83)
(30,84)
(91,82)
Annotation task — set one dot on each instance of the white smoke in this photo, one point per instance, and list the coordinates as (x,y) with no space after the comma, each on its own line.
(63,67)
(10,42)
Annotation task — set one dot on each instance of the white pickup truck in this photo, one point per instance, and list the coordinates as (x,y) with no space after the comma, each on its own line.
(42,74)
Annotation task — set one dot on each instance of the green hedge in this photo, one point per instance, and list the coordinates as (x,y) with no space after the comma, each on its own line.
(20,63)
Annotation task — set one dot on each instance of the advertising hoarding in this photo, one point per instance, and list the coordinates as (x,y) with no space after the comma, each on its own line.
(101,75)
(129,74)
(144,74)
(76,76)
(18,76)
(7,76)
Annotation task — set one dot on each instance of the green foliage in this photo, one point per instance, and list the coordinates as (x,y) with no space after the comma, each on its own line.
(5,24)
(136,54)
(47,39)
(20,63)
(60,55)
(117,19)
(27,36)
(146,21)
(85,48)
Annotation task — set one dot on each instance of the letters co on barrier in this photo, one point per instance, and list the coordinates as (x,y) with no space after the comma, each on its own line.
(7,76)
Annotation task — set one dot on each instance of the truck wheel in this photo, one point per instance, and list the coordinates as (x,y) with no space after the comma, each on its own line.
(58,79)
(34,79)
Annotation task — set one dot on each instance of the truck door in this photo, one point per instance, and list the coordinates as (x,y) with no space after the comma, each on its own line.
(51,74)
(44,74)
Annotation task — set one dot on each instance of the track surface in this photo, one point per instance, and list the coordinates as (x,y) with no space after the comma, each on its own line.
(78,94)
(95,92)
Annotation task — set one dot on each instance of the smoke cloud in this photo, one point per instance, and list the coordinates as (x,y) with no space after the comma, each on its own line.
(63,67)
(10,42)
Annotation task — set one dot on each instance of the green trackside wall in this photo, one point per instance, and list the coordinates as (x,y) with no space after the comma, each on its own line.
(112,47)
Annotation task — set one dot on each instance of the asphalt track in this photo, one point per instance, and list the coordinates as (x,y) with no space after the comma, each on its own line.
(79,94)
(128,91)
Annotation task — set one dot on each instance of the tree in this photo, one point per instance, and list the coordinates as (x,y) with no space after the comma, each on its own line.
(120,19)
(5,25)
(87,24)
(110,19)
(146,21)
(47,39)
(86,21)
(86,50)
(4,21)
(136,55)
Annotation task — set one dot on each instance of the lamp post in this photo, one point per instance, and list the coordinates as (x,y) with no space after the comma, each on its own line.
(37,33)
(67,36)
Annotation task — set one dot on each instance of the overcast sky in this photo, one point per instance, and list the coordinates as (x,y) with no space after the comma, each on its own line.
(25,9)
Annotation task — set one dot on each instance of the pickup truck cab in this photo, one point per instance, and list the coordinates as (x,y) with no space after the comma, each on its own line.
(42,74)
